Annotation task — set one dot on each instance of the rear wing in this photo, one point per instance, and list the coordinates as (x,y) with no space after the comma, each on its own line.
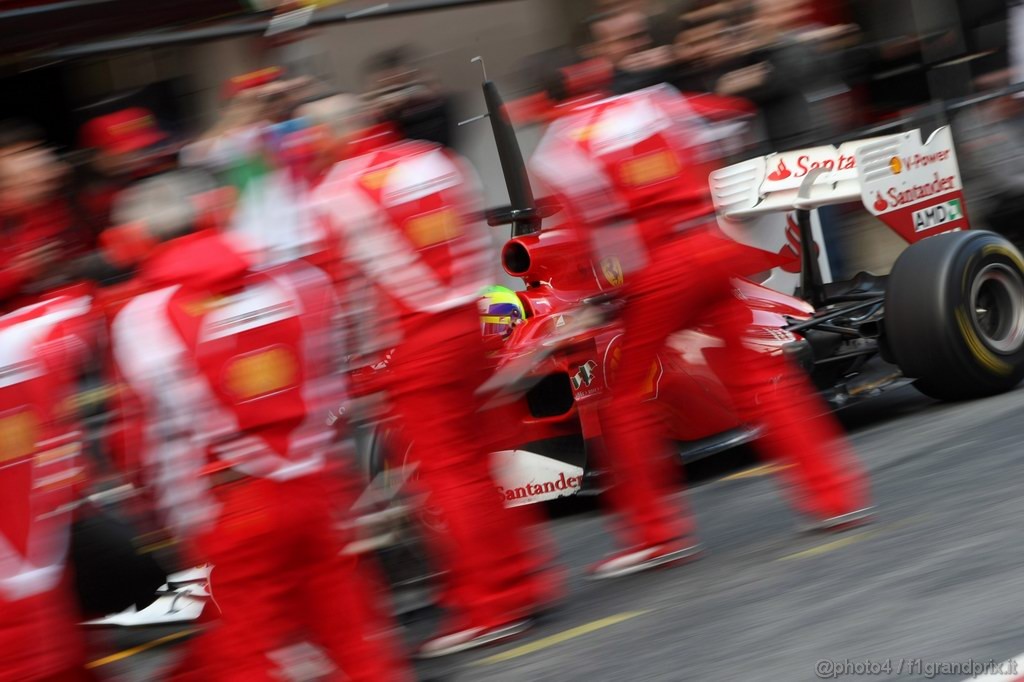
(913,186)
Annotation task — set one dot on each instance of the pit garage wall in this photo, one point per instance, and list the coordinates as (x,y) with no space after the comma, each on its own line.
(504,33)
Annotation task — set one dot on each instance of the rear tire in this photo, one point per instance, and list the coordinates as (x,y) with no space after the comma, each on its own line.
(954,315)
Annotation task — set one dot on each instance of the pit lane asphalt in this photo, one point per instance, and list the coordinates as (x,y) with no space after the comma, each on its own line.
(938,577)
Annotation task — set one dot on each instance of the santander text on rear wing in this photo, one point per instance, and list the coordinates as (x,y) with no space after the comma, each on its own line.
(911,185)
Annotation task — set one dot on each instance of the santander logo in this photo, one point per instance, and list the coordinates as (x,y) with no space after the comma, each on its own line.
(804,164)
(791,249)
(780,173)
(563,484)
(880,203)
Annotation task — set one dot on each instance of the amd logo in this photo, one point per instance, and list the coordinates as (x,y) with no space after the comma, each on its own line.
(939,214)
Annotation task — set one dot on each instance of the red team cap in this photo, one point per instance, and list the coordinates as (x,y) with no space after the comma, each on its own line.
(253,79)
(126,245)
(128,130)
(590,77)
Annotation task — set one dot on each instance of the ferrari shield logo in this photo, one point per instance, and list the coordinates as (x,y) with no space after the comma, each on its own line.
(374,180)
(585,375)
(432,228)
(262,373)
(19,432)
(612,269)
(583,133)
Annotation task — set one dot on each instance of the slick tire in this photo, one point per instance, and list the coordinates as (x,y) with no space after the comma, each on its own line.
(386,453)
(109,573)
(406,561)
(954,315)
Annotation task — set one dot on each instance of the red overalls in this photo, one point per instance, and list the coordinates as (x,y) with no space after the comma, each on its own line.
(41,347)
(401,210)
(627,168)
(231,373)
(22,232)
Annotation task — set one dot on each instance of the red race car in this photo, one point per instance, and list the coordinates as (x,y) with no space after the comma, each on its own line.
(949,316)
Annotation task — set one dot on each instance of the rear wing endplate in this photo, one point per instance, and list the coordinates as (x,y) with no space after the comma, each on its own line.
(913,186)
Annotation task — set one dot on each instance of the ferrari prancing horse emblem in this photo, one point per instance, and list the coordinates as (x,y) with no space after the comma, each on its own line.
(612,269)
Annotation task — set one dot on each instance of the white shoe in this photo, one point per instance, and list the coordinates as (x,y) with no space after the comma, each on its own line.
(635,561)
(471,638)
(183,605)
(841,522)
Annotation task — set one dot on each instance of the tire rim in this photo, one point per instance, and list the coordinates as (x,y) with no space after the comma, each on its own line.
(429,514)
(997,307)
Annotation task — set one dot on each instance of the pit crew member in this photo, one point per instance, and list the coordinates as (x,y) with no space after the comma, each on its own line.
(627,170)
(402,212)
(230,375)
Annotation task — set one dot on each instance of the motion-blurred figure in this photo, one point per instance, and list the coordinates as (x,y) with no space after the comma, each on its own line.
(124,146)
(404,212)
(787,76)
(42,349)
(252,148)
(230,374)
(401,92)
(622,39)
(626,170)
(992,158)
(36,225)
(662,22)
(706,46)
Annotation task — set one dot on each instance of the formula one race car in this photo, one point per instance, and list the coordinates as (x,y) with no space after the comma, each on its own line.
(949,317)
(950,314)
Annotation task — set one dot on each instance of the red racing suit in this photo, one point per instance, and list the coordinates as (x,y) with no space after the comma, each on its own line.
(24,231)
(402,213)
(41,348)
(627,169)
(230,371)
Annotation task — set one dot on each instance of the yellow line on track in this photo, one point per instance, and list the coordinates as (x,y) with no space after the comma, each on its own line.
(128,653)
(157,546)
(754,472)
(847,540)
(559,638)
(830,546)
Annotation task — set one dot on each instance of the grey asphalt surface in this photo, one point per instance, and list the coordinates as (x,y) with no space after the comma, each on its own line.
(936,580)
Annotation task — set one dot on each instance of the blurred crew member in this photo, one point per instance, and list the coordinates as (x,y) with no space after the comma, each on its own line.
(126,145)
(404,94)
(42,349)
(257,145)
(626,169)
(230,372)
(35,221)
(623,40)
(790,80)
(404,211)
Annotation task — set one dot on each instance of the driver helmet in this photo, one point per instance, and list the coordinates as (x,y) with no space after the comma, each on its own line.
(500,310)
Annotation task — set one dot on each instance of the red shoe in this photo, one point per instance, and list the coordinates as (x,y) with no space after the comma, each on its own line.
(841,522)
(471,638)
(633,561)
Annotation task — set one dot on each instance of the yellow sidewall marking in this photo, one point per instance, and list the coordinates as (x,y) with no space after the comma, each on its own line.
(978,349)
(995,250)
